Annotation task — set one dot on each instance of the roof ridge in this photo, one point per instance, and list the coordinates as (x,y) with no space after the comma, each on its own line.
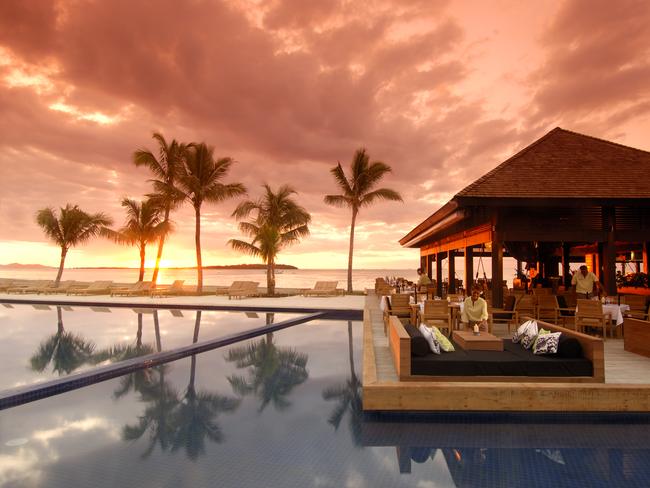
(600,140)
(516,155)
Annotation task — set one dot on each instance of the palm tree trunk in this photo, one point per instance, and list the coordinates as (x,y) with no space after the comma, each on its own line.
(59,321)
(142,254)
(161,243)
(197,240)
(138,335)
(64,251)
(270,277)
(195,338)
(354,219)
(156,328)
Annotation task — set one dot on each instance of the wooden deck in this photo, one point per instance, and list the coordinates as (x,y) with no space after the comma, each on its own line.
(626,387)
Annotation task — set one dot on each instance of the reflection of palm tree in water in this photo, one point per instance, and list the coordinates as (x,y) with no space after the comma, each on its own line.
(140,379)
(194,418)
(65,350)
(348,396)
(274,371)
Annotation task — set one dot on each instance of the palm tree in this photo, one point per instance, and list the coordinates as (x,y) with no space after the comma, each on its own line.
(166,168)
(65,350)
(195,417)
(348,396)
(143,225)
(358,192)
(273,371)
(280,222)
(200,181)
(71,228)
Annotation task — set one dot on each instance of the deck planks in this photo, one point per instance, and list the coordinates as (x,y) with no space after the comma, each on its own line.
(626,387)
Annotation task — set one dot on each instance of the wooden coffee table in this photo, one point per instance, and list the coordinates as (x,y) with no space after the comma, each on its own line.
(483,342)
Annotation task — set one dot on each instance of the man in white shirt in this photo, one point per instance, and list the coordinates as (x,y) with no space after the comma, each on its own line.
(475,311)
(584,281)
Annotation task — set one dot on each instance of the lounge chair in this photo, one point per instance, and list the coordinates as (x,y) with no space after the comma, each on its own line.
(136,289)
(241,289)
(95,288)
(63,287)
(176,288)
(323,289)
(33,287)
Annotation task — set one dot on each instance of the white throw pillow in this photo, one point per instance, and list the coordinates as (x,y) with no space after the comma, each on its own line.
(529,335)
(434,345)
(547,343)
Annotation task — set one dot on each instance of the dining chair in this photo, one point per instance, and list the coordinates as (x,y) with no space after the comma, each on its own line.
(590,314)
(437,312)
(548,309)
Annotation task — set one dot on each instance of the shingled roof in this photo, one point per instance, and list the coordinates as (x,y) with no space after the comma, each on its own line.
(565,164)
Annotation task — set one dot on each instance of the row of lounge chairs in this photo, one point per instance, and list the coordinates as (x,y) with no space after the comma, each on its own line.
(238,289)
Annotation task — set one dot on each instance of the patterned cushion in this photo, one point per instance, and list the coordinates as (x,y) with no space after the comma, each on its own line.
(445,344)
(540,333)
(521,330)
(434,345)
(529,335)
(547,343)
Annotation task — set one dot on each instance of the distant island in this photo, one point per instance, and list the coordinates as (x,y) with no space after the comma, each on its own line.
(229,266)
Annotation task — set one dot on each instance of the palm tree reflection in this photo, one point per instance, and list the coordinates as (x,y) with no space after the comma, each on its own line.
(348,396)
(273,371)
(64,350)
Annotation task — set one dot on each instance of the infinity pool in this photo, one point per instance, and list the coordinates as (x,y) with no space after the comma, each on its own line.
(41,343)
(284,410)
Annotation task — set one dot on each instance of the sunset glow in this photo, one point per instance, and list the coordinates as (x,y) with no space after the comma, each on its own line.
(440,91)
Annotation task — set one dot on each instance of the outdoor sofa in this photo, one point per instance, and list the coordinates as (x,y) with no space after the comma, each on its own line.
(513,364)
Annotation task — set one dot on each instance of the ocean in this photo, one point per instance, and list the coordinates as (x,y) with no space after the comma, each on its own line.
(288,278)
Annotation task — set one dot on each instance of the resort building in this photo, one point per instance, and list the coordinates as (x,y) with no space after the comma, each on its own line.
(565,198)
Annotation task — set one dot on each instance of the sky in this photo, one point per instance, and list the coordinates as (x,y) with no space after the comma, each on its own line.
(442,91)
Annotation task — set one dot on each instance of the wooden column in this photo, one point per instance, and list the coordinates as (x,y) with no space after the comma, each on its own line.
(423,263)
(566,269)
(452,272)
(497,270)
(609,252)
(646,251)
(469,269)
(439,257)
(430,266)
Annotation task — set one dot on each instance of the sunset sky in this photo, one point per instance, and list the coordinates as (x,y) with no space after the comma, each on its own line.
(441,91)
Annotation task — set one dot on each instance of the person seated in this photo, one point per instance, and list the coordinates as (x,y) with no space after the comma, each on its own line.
(475,311)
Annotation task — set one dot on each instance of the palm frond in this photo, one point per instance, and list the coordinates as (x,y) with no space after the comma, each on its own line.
(381,194)
(341,180)
(338,201)
(244,247)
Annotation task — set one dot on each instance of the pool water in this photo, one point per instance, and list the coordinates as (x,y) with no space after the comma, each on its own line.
(284,410)
(44,343)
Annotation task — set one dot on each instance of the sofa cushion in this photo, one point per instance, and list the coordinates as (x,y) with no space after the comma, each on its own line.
(445,344)
(547,343)
(434,345)
(512,361)
(569,347)
(419,345)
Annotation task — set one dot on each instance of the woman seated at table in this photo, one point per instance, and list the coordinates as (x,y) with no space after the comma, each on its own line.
(475,311)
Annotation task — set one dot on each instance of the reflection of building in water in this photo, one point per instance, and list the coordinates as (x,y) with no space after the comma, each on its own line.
(521,454)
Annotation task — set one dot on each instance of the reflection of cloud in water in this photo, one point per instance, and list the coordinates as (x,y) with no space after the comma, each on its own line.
(26,464)
(67,427)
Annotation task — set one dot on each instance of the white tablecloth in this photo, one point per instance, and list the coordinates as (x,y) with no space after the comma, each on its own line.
(615,311)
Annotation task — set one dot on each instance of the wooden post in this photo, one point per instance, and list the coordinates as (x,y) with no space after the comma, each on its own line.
(430,266)
(423,263)
(497,270)
(566,269)
(439,274)
(469,269)
(452,272)
(646,250)
(609,252)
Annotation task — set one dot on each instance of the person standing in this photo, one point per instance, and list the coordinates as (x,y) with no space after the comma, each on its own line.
(584,281)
